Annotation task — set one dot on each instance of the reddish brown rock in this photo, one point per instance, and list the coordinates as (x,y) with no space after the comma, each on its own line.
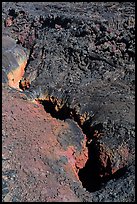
(31,150)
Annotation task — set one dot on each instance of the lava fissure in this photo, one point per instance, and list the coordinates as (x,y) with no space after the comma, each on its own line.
(93,175)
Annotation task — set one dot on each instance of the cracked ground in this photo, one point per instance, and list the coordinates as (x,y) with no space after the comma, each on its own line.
(69,135)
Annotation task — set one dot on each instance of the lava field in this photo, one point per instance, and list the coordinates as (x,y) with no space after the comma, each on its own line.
(80,72)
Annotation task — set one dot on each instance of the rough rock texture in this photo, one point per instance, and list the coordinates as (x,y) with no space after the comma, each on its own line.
(82,68)
(41,156)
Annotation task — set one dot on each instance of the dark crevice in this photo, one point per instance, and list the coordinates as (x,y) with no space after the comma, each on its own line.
(119,173)
(49,107)
(93,175)
(89,129)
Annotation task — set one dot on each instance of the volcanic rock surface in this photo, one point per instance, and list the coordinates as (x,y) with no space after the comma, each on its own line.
(14,60)
(70,134)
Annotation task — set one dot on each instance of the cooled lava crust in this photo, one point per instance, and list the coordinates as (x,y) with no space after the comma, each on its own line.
(82,67)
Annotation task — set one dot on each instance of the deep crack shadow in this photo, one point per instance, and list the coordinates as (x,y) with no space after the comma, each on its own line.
(94,175)
(49,107)
(89,175)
